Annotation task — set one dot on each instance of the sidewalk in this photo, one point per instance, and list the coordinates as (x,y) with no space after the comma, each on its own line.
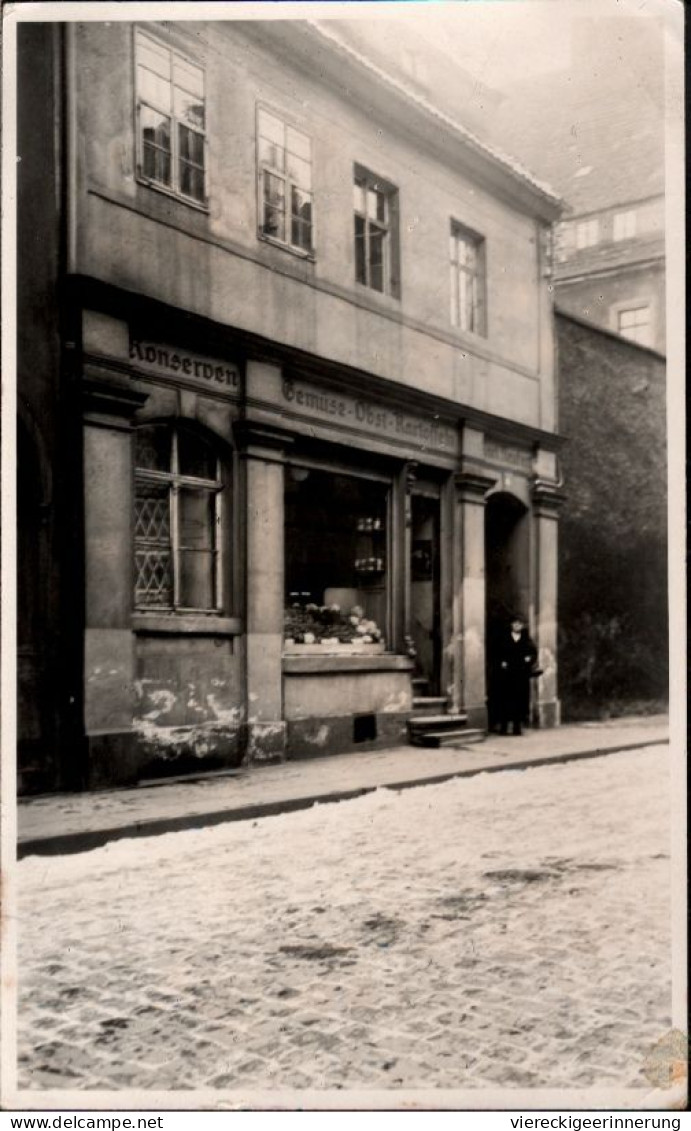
(65,823)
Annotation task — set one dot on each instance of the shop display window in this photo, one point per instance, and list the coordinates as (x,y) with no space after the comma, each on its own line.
(336,562)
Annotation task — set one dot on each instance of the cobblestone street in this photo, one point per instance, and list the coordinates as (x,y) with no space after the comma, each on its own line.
(508,930)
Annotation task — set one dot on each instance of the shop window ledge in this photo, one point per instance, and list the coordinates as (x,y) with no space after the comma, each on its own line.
(334,662)
(183,624)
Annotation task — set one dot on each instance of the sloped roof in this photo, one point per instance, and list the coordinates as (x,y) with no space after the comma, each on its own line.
(596,131)
(645,248)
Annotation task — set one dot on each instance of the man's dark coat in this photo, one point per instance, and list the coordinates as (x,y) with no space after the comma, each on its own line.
(515,661)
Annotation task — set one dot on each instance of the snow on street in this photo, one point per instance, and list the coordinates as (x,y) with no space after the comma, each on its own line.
(507,930)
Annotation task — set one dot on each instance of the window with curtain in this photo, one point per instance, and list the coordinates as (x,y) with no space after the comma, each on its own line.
(171,119)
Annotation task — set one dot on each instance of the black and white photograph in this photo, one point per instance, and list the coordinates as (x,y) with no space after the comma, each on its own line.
(343,671)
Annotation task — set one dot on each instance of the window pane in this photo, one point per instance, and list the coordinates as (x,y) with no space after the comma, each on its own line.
(196,519)
(454,294)
(301,204)
(359,197)
(274,207)
(196,457)
(189,109)
(299,171)
(271,128)
(274,190)
(153,55)
(197,525)
(377,252)
(360,258)
(336,559)
(271,154)
(156,145)
(298,144)
(153,89)
(376,205)
(152,557)
(186,75)
(191,181)
(197,579)
(463,300)
(301,234)
(152,448)
(191,145)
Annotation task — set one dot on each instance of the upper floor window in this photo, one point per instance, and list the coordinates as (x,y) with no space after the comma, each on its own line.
(587,233)
(624,225)
(467,255)
(375,204)
(635,323)
(171,119)
(564,241)
(178,520)
(284,157)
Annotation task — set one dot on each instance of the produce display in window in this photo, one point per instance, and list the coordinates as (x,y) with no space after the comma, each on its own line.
(336,542)
(329,624)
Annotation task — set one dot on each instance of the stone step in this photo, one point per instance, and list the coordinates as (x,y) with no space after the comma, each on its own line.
(462,736)
(430,704)
(420,684)
(436,722)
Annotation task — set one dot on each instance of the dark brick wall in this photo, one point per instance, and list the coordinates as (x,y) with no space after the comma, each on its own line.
(613,532)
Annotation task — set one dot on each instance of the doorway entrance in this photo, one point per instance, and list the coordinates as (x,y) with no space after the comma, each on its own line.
(425,612)
(507,578)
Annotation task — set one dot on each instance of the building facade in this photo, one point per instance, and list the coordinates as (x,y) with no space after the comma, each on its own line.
(613,593)
(287,399)
(599,138)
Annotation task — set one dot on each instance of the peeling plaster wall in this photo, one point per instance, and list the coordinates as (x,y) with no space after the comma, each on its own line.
(319,711)
(350,693)
(189,704)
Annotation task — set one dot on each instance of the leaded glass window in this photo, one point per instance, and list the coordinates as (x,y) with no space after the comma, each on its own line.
(177,520)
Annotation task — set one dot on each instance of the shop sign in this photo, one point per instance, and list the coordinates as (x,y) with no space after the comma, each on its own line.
(347,411)
(508,455)
(174,363)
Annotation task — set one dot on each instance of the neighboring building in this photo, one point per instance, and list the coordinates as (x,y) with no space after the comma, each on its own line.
(597,133)
(285,340)
(613,591)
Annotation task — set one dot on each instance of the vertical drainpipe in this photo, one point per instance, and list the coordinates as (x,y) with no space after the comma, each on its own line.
(70,507)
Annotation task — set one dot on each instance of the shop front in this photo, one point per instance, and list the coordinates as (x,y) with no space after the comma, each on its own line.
(280,564)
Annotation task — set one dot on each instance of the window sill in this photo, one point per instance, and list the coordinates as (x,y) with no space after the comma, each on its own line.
(197,205)
(183,624)
(299,253)
(334,663)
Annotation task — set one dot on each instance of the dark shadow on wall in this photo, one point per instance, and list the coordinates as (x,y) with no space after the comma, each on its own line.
(613,586)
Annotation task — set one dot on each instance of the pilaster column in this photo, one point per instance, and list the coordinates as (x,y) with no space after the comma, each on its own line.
(408,479)
(547,499)
(109,403)
(262,450)
(468,690)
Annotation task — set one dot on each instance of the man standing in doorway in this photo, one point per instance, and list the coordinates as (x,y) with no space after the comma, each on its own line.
(516,660)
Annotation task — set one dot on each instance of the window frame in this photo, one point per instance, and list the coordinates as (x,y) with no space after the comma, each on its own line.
(288,184)
(175,482)
(628,217)
(172,190)
(391,243)
(459,232)
(592,224)
(648,325)
(386,481)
